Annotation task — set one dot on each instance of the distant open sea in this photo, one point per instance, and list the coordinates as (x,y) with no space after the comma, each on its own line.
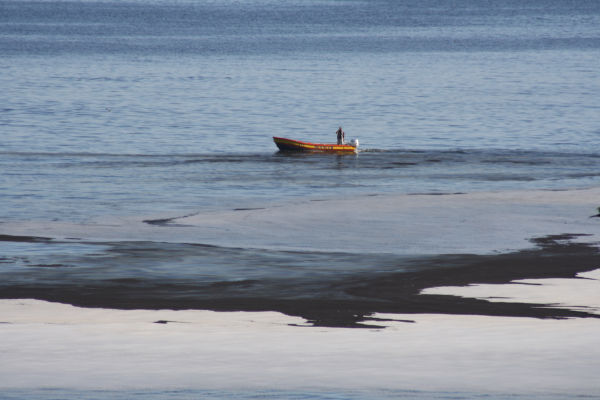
(157,109)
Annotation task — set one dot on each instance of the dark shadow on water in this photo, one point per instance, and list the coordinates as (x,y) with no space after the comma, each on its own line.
(327,289)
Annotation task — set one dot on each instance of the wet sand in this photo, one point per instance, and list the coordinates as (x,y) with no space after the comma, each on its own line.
(352,300)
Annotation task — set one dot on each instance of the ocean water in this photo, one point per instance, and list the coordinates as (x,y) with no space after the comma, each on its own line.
(152,110)
(114,108)
(270,394)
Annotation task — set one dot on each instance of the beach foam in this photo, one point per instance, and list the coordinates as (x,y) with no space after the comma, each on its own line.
(575,294)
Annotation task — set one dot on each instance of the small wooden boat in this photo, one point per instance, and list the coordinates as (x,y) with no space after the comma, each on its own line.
(296,145)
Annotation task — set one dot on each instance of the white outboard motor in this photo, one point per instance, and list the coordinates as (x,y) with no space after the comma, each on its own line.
(354,143)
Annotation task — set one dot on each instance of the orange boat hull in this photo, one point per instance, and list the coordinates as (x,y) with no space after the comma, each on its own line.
(297,145)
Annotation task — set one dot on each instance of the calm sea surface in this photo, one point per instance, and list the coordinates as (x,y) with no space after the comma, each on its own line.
(150,108)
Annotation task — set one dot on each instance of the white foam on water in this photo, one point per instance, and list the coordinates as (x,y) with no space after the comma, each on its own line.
(575,294)
(60,346)
(398,224)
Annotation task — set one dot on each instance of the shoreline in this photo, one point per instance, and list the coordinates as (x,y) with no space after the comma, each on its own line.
(432,241)
(352,300)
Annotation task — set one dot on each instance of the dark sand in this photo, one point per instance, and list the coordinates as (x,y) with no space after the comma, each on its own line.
(348,301)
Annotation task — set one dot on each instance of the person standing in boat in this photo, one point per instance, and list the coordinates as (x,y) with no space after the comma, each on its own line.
(340,136)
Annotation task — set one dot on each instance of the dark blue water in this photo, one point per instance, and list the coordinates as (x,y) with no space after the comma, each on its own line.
(152,109)
(269,27)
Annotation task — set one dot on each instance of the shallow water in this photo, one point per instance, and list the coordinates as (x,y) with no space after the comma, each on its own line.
(151,110)
(79,187)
